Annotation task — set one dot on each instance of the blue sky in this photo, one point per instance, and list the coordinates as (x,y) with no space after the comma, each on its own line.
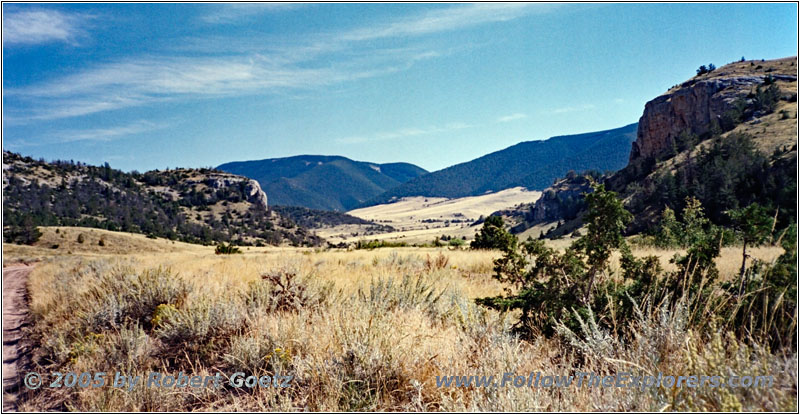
(146,86)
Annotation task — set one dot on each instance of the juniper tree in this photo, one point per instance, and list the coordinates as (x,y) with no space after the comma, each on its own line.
(493,235)
(753,224)
(606,219)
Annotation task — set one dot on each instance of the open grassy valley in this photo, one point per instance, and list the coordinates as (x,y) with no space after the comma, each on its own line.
(359,330)
(421,219)
(189,271)
(389,227)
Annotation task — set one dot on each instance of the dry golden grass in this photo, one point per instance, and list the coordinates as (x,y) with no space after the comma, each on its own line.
(420,219)
(63,240)
(378,328)
(787,66)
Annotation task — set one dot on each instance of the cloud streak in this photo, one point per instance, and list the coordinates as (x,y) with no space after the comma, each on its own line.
(247,68)
(109,133)
(135,82)
(403,133)
(448,19)
(512,117)
(39,26)
(100,134)
(565,110)
(232,13)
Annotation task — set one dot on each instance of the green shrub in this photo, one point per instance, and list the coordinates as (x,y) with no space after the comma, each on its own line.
(766,99)
(768,310)
(370,245)
(493,235)
(457,242)
(753,225)
(223,249)
(549,283)
(25,233)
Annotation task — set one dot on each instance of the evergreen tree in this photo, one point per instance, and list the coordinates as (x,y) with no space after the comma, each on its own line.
(753,224)
(493,235)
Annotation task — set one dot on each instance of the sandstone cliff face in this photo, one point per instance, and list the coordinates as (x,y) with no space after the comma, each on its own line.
(690,107)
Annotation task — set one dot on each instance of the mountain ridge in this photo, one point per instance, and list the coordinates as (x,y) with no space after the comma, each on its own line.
(530,164)
(323,182)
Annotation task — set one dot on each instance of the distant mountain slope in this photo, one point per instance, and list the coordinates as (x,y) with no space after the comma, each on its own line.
(323,182)
(532,164)
(312,218)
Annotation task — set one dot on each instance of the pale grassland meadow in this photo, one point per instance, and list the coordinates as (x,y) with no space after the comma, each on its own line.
(364,330)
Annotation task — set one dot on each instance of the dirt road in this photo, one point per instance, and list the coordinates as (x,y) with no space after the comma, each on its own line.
(15,318)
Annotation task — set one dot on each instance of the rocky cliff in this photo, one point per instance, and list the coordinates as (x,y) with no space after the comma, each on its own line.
(562,200)
(695,104)
(741,121)
(250,188)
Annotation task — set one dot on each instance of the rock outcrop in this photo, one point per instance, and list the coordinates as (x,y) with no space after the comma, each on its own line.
(691,107)
(252,190)
(562,200)
(255,194)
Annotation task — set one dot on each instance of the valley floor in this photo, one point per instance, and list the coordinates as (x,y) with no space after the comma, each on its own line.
(418,220)
(358,330)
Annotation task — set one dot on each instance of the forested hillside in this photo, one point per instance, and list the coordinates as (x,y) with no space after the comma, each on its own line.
(531,164)
(191,205)
(323,182)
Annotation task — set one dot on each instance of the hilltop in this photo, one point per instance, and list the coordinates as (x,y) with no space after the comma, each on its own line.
(726,137)
(323,182)
(530,164)
(190,205)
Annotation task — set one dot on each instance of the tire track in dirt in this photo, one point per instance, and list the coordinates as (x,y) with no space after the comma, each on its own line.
(15,319)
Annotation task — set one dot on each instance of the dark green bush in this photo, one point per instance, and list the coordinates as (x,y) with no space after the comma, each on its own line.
(25,233)
(493,235)
(226,249)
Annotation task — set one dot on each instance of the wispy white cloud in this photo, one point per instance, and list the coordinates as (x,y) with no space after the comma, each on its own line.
(403,133)
(248,68)
(512,117)
(28,27)
(100,134)
(447,19)
(135,82)
(108,133)
(230,13)
(578,108)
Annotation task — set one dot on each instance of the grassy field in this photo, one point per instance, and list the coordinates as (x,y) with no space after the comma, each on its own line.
(358,330)
(420,219)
